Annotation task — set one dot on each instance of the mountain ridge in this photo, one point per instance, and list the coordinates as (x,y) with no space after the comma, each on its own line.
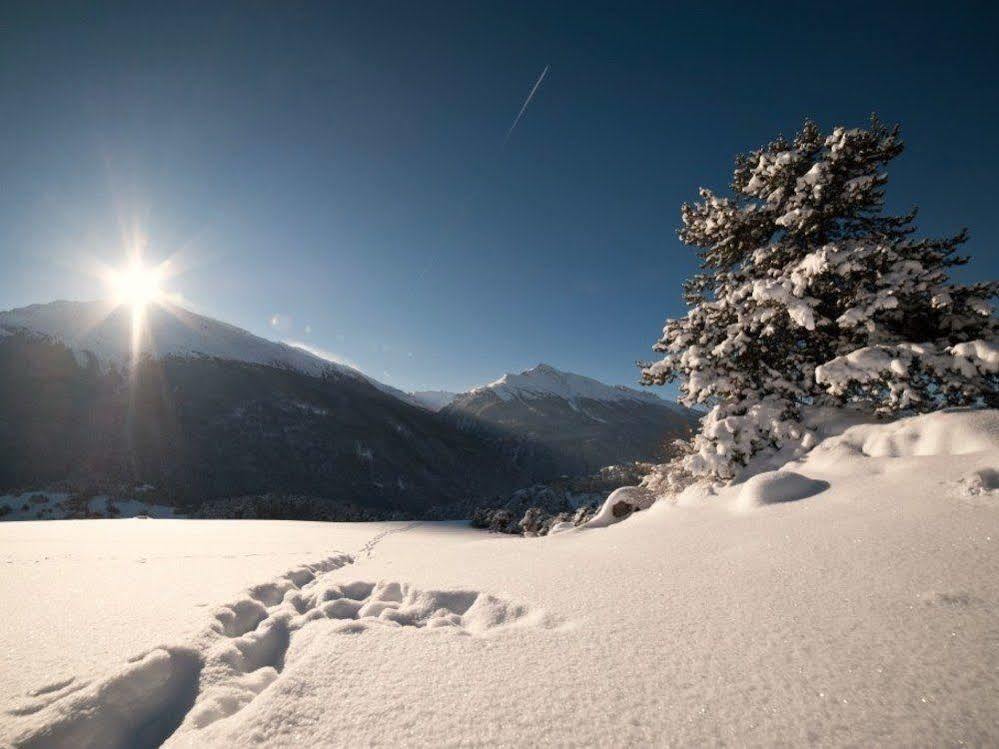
(544,380)
(104,330)
(205,410)
(588,423)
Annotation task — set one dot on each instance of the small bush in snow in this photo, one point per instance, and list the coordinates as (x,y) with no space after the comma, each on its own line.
(532,521)
(583,514)
(810,294)
(536,521)
(496,520)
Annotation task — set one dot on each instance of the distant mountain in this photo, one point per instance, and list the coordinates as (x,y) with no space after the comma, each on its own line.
(434,400)
(204,411)
(544,381)
(211,411)
(586,423)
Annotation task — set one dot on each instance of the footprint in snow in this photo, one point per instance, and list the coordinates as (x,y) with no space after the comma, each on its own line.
(181,690)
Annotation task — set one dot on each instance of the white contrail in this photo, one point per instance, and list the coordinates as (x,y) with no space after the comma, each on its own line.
(526,102)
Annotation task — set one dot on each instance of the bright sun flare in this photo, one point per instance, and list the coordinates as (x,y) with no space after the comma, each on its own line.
(136,285)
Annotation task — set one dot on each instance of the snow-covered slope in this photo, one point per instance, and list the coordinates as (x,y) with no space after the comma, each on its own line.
(104,330)
(853,606)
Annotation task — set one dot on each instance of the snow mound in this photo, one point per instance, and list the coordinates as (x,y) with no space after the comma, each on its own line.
(172,693)
(562,527)
(620,505)
(778,486)
(952,432)
(849,448)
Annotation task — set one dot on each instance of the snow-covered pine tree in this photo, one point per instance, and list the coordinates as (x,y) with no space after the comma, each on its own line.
(810,294)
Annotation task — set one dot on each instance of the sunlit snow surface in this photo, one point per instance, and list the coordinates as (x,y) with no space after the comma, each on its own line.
(852,603)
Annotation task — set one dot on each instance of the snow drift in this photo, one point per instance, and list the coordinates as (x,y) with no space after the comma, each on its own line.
(942,433)
(620,505)
(778,486)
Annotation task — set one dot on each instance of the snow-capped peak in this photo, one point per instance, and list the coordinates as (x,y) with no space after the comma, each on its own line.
(545,380)
(103,330)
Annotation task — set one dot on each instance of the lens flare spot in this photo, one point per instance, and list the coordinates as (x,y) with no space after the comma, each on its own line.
(136,285)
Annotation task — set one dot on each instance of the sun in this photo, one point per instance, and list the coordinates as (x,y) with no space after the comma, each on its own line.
(136,285)
(133,289)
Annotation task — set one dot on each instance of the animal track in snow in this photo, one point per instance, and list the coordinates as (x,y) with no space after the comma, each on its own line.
(373,542)
(177,691)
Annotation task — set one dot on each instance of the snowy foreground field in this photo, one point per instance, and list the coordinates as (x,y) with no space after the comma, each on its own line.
(850,599)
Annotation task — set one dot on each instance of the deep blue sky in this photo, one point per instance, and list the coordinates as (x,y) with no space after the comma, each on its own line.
(343,165)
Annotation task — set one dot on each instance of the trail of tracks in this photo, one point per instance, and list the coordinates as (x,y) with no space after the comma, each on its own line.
(369,547)
(171,693)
